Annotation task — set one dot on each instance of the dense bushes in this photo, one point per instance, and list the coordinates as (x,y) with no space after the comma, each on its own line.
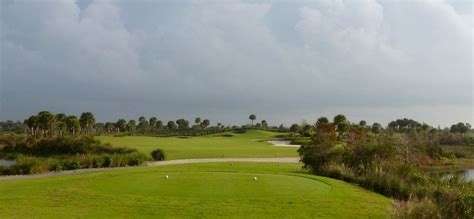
(446,138)
(63,153)
(34,165)
(63,146)
(9,139)
(389,164)
(158,154)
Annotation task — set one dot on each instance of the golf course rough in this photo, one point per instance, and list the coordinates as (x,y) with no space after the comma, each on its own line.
(204,190)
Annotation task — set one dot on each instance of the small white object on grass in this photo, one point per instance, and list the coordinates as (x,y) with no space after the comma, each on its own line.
(255,178)
(166,177)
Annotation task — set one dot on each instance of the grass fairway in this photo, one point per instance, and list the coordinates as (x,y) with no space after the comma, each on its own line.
(205,190)
(250,144)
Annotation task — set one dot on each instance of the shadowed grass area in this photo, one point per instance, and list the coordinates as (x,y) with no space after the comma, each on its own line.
(192,190)
(249,144)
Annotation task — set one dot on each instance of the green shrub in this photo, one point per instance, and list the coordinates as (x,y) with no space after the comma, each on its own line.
(62,146)
(33,165)
(135,159)
(107,161)
(158,154)
(240,131)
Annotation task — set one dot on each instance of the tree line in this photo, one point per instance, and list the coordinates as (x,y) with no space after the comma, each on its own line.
(456,134)
(46,123)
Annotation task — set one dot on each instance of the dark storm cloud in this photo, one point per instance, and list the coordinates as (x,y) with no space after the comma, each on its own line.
(285,61)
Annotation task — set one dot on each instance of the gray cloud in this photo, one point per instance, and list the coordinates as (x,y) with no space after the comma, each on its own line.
(285,61)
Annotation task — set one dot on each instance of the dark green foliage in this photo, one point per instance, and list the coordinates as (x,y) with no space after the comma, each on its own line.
(449,138)
(252,117)
(158,154)
(389,165)
(10,126)
(323,120)
(460,128)
(131,126)
(34,165)
(87,121)
(225,135)
(322,150)
(63,146)
(376,128)
(182,124)
(239,131)
(171,125)
(408,125)
(295,128)
(63,153)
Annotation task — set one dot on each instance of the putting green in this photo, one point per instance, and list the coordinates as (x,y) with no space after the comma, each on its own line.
(253,143)
(205,190)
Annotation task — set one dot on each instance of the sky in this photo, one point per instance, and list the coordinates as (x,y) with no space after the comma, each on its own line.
(285,61)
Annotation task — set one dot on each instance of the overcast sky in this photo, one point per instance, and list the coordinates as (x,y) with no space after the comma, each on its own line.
(285,61)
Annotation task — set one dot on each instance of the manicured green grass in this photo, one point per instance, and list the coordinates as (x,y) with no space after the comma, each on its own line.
(250,144)
(207,190)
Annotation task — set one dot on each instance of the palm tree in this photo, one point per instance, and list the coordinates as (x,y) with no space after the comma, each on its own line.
(72,124)
(252,117)
(121,125)
(60,120)
(109,126)
(46,121)
(205,123)
(132,125)
(87,121)
(32,122)
(142,124)
(152,122)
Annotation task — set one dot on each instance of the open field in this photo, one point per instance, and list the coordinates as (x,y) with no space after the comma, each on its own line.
(192,190)
(250,144)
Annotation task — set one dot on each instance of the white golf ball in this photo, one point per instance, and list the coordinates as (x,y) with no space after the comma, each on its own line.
(255,178)
(166,177)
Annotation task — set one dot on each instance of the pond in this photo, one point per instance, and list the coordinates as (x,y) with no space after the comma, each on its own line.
(6,163)
(467,175)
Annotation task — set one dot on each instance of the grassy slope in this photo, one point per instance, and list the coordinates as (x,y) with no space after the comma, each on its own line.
(250,144)
(193,190)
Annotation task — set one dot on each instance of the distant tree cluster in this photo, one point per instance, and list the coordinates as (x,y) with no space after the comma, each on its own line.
(48,124)
(45,124)
(155,126)
(461,128)
(341,126)
(405,125)
(11,126)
